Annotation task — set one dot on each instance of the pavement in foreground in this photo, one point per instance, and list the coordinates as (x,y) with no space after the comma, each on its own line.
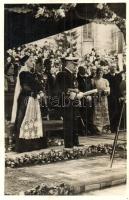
(85,175)
(119,190)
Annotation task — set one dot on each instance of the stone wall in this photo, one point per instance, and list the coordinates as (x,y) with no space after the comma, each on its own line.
(104,38)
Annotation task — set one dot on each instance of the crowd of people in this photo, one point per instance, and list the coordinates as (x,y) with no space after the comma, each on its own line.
(57,84)
(13,60)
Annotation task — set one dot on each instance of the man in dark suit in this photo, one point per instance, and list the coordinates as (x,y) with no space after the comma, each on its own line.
(66,88)
(113,98)
(86,109)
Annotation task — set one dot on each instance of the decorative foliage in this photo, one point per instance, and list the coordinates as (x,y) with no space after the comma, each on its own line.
(61,12)
(108,16)
(50,189)
(67,43)
(100,6)
(57,12)
(103,12)
(20,9)
(60,155)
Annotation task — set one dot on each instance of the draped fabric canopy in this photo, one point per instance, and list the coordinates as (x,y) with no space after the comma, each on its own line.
(22,27)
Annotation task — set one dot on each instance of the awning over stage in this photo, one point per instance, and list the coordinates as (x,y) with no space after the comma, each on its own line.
(22,27)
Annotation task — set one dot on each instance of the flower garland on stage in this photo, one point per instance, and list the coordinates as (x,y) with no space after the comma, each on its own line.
(51,156)
(59,13)
(103,12)
(108,16)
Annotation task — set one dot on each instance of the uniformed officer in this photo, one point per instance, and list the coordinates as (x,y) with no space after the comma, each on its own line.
(68,94)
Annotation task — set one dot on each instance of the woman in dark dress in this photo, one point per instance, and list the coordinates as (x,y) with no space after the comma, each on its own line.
(26,113)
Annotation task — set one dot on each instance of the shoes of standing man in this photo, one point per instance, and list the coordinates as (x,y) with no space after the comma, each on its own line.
(69,148)
(79,145)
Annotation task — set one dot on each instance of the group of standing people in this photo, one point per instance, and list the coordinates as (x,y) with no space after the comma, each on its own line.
(111,87)
(96,111)
(99,111)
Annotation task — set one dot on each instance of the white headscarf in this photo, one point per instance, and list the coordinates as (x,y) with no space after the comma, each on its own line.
(16,94)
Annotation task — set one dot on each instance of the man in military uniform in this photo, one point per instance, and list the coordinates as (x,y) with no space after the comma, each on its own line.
(68,94)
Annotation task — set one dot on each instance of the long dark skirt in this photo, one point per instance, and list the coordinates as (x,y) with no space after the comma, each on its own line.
(23,145)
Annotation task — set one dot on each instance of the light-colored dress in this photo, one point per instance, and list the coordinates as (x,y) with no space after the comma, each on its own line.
(101,114)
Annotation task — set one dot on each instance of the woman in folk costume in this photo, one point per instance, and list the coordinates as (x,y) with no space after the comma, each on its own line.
(101,115)
(26,114)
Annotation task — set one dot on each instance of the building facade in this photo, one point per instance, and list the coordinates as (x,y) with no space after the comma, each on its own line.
(102,37)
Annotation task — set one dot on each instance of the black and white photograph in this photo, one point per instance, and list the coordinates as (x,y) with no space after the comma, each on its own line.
(65,121)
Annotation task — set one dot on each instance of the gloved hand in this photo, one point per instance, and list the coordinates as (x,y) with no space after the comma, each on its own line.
(80,95)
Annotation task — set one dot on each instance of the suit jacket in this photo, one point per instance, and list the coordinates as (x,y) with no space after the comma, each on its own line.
(64,81)
(84,83)
(114,83)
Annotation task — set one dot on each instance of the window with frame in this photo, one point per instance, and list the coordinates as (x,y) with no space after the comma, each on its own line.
(87,32)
